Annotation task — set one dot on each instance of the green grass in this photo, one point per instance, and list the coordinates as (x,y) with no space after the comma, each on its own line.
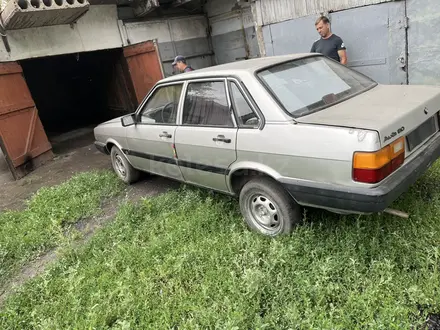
(185,260)
(25,234)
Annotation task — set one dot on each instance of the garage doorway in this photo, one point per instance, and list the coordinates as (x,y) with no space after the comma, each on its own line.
(5,173)
(73,93)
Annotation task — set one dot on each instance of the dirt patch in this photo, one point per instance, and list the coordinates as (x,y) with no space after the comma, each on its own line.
(86,227)
(433,322)
(60,169)
(150,186)
(72,157)
(33,269)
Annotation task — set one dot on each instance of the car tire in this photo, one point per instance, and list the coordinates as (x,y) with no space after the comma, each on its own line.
(122,167)
(267,207)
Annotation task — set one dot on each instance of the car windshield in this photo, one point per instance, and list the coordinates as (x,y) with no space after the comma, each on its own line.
(311,84)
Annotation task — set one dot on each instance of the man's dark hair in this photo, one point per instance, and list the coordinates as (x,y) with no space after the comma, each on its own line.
(322,18)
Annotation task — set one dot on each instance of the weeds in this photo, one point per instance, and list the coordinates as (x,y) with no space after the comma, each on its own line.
(26,234)
(186,260)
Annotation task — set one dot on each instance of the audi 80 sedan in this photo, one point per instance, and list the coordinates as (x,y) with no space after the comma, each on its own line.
(281,133)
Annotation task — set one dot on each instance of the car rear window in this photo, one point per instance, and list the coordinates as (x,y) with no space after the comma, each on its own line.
(312,84)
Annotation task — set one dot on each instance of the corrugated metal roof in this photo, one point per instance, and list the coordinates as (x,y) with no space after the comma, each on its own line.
(274,11)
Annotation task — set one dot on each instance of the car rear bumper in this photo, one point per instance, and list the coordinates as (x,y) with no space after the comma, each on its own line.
(366,200)
(102,147)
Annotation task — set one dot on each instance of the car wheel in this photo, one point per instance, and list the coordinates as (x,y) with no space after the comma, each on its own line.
(122,167)
(267,208)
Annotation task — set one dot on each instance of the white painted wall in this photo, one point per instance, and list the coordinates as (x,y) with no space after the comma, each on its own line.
(231,22)
(166,30)
(186,36)
(220,7)
(100,29)
(96,30)
(275,11)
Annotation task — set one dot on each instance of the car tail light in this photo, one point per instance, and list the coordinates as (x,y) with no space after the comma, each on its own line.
(373,167)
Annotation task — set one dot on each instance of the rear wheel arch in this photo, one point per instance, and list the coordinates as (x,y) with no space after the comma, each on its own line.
(240,176)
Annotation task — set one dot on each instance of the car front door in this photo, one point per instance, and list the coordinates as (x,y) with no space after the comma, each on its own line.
(205,140)
(151,141)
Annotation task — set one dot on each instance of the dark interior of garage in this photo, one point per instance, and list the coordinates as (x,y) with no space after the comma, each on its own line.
(73,92)
(5,173)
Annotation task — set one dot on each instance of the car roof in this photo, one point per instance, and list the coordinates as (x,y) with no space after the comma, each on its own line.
(236,68)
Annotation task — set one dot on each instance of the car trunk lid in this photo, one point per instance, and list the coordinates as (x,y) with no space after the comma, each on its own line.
(392,111)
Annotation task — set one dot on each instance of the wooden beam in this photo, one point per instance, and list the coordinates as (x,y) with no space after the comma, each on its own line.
(397,213)
(177,3)
(145,7)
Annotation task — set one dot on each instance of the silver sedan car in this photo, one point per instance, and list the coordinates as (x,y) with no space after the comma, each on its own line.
(281,133)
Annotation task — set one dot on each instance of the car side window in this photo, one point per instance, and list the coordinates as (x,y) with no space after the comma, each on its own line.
(206,104)
(162,106)
(246,117)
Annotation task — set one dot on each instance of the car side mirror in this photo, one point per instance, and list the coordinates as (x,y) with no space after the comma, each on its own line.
(128,120)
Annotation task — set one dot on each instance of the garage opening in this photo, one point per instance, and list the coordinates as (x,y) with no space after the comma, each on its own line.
(75,92)
(5,173)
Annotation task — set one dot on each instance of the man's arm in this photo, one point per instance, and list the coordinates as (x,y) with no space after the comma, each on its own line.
(313,49)
(343,56)
(342,51)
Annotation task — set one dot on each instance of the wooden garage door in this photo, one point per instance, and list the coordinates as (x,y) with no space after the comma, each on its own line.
(144,66)
(22,136)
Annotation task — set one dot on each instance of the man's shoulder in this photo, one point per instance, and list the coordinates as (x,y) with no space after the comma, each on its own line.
(316,43)
(337,40)
(336,37)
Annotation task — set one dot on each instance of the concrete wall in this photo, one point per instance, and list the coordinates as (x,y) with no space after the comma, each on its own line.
(275,11)
(373,47)
(232,30)
(423,42)
(237,30)
(100,29)
(97,30)
(186,36)
(376,43)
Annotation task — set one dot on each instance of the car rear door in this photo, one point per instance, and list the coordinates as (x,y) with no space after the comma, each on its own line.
(206,139)
(151,141)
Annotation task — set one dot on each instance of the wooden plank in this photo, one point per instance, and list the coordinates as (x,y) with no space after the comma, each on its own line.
(144,47)
(144,66)
(23,139)
(11,108)
(10,67)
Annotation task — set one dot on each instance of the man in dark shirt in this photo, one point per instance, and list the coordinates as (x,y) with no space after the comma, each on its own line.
(180,64)
(329,44)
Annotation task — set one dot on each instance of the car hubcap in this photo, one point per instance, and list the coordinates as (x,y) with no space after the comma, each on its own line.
(119,164)
(265,213)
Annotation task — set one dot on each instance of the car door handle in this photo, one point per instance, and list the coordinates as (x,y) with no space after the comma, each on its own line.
(165,135)
(221,138)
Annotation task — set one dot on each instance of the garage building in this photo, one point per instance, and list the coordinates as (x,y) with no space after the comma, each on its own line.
(66,65)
